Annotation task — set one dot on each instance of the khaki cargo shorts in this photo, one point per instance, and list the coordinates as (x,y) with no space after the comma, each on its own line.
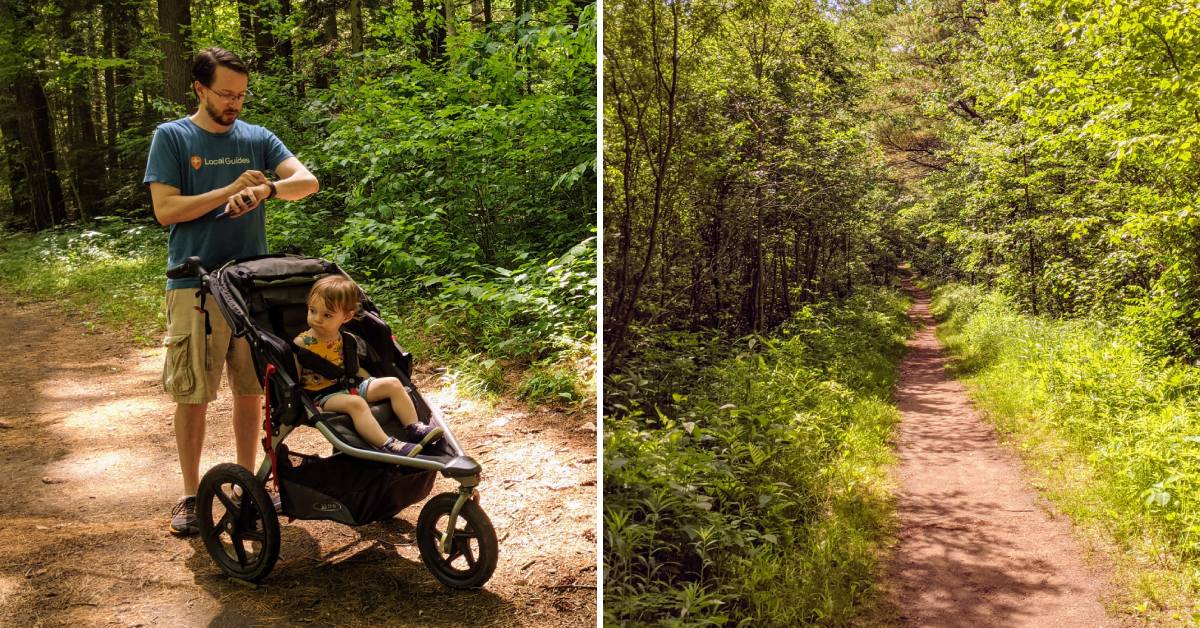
(194,361)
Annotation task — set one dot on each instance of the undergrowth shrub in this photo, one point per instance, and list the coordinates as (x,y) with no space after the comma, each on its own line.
(537,319)
(753,492)
(1132,419)
(111,271)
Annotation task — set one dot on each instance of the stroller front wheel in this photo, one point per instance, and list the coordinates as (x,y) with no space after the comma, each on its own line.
(473,551)
(238,522)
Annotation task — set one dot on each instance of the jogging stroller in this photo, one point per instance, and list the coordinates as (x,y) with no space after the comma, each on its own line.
(264,299)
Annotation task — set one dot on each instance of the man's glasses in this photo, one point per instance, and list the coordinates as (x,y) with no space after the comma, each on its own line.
(244,96)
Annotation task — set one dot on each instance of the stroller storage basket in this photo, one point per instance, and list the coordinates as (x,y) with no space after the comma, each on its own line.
(348,490)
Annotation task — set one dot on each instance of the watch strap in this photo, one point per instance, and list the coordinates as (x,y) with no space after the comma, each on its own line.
(271,184)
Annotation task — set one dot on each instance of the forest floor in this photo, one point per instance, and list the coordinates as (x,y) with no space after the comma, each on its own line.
(87,445)
(976,546)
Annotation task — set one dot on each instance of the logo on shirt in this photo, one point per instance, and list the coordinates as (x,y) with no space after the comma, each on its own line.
(197,162)
(227,161)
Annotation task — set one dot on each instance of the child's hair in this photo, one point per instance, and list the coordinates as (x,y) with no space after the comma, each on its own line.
(338,292)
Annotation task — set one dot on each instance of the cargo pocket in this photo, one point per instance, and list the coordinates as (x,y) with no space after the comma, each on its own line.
(178,378)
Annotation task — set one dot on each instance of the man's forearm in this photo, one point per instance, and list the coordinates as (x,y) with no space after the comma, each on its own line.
(296,187)
(177,208)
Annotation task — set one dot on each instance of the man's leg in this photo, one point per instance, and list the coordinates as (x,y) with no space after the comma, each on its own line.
(189,440)
(187,378)
(246,421)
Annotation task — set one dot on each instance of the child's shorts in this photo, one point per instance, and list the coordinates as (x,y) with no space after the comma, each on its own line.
(362,392)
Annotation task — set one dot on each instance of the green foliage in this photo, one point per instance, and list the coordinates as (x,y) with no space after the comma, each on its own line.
(551,384)
(1131,420)
(754,492)
(457,175)
(1066,136)
(479,375)
(740,181)
(461,195)
(113,270)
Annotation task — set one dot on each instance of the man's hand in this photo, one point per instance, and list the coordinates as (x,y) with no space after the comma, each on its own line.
(247,199)
(246,179)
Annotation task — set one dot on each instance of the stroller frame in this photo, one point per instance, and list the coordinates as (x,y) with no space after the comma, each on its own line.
(239,289)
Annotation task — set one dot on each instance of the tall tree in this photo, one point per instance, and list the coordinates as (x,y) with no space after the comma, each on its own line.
(83,151)
(38,157)
(174,25)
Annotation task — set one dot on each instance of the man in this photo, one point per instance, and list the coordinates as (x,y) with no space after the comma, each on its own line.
(206,182)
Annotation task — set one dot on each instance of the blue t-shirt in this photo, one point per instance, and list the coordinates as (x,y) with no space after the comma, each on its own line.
(196,161)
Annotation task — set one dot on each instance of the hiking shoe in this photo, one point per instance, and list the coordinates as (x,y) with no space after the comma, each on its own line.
(183,517)
(400,448)
(423,433)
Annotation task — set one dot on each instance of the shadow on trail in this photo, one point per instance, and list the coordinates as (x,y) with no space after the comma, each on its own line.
(974,547)
(349,584)
(995,578)
(67,405)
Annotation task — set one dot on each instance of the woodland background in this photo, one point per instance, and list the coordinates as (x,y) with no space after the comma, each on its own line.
(454,143)
(768,166)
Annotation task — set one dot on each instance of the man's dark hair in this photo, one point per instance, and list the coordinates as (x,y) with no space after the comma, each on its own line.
(206,62)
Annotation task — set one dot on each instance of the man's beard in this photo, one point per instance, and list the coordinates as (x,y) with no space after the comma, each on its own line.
(224,119)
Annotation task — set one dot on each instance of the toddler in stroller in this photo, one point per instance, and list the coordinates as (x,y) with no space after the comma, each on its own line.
(327,359)
(268,300)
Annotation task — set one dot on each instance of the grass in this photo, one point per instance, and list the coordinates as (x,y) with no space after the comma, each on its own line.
(1111,436)
(110,275)
(746,482)
(113,274)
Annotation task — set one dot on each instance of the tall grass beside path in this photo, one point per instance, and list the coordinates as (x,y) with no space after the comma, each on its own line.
(745,482)
(1112,434)
(110,273)
(528,333)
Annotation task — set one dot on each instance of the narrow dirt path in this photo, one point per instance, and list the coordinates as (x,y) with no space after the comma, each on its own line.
(976,546)
(87,452)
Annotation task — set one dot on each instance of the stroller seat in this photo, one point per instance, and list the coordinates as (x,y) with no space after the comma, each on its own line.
(343,427)
(264,300)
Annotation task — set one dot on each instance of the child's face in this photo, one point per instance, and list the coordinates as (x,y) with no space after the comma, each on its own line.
(326,321)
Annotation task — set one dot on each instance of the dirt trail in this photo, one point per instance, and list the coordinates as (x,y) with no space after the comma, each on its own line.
(976,546)
(88,456)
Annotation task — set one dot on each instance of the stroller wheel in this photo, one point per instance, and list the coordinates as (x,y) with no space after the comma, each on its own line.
(473,552)
(239,528)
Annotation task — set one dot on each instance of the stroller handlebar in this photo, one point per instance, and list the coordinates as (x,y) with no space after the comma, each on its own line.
(190,267)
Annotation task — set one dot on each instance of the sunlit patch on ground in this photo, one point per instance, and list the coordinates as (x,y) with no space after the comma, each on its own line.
(8,586)
(90,421)
(95,452)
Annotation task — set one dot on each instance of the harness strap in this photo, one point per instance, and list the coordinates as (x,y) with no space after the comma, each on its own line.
(345,376)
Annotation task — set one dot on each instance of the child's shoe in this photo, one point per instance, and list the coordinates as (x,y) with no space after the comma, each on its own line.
(423,433)
(399,447)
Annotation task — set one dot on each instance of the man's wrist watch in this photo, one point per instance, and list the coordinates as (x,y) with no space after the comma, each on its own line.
(271,185)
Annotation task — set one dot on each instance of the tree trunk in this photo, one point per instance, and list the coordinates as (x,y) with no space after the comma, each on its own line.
(356,26)
(11,153)
(437,39)
(110,89)
(325,13)
(448,16)
(125,28)
(37,152)
(174,19)
(269,46)
(420,36)
(666,80)
(83,152)
(245,11)
(274,44)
